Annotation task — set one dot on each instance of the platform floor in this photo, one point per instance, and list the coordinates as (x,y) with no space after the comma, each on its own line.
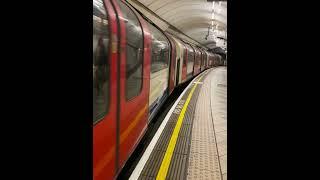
(208,155)
(191,142)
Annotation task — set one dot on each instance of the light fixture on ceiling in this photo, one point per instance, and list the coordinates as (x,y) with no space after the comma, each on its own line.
(212,15)
(214,26)
(206,38)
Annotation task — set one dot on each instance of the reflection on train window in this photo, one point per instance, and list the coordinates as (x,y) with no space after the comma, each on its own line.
(160,50)
(100,61)
(205,59)
(190,54)
(134,52)
(184,57)
(198,56)
(190,61)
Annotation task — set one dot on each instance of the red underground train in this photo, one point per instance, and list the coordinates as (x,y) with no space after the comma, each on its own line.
(136,66)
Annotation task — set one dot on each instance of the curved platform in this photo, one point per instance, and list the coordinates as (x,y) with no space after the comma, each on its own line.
(191,142)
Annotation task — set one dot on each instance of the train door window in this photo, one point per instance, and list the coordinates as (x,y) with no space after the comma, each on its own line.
(184,56)
(205,59)
(196,56)
(190,59)
(190,54)
(178,71)
(160,50)
(134,49)
(202,58)
(196,62)
(100,61)
(159,73)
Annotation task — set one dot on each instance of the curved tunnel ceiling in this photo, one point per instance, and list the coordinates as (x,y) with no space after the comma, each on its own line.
(193,17)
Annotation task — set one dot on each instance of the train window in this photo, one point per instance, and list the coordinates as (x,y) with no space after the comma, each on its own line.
(160,50)
(201,58)
(184,56)
(204,58)
(190,60)
(100,61)
(134,51)
(196,56)
(190,54)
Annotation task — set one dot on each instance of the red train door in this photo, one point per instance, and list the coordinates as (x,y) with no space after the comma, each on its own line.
(134,80)
(105,59)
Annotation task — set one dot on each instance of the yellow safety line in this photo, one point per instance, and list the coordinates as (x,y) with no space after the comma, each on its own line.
(162,173)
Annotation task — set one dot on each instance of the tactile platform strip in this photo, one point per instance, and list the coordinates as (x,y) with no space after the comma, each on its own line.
(178,167)
(204,157)
(179,162)
(205,161)
(151,168)
(182,145)
(146,178)
(203,174)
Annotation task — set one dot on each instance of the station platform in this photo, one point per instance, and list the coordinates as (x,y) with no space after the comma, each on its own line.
(191,142)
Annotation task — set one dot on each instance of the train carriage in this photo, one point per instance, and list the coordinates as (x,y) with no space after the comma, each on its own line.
(180,60)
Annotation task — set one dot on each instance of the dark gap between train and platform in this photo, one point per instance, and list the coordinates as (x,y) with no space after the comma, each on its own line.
(152,129)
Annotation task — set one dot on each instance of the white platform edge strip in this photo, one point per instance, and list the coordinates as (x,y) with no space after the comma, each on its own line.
(137,171)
